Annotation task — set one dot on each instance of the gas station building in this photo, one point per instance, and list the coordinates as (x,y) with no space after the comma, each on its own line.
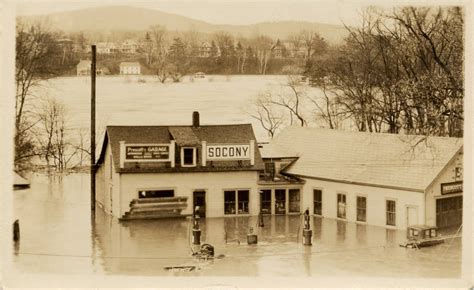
(147,172)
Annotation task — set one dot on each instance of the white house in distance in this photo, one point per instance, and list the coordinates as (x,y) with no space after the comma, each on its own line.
(129,68)
(371,178)
(84,68)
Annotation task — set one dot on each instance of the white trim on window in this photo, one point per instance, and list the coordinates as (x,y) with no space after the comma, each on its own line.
(194,157)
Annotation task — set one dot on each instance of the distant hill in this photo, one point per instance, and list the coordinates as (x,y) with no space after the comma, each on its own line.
(128,18)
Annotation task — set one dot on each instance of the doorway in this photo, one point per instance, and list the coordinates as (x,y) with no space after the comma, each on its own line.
(449,212)
(266,201)
(280,201)
(199,199)
(412,215)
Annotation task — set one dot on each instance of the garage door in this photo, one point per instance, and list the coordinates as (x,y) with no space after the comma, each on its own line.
(449,211)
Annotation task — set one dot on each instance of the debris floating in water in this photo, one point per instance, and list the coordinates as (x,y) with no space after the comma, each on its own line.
(181,268)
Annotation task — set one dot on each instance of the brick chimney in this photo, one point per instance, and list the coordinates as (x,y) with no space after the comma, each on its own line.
(195,119)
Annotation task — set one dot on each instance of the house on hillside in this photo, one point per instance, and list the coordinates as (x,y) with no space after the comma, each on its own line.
(130,68)
(129,46)
(278,50)
(106,48)
(378,179)
(295,51)
(205,50)
(166,171)
(83,68)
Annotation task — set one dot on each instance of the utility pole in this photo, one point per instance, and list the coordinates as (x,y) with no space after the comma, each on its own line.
(93,75)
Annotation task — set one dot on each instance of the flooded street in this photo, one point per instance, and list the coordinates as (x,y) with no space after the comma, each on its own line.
(59,237)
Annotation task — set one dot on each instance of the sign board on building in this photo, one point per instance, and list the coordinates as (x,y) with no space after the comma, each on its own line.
(154,152)
(451,187)
(228,152)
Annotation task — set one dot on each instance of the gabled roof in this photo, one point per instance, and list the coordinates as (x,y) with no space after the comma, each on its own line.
(129,64)
(84,63)
(184,136)
(377,159)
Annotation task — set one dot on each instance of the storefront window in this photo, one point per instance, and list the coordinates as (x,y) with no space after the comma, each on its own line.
(229,202)
(236,201)
(341,206)
(280,201)
(266,201)
(391,211)
(294,196)
(243,201)
(155,193)
(318,201)
(361,209)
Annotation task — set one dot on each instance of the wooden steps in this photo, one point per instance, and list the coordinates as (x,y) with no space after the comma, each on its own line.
(156,208)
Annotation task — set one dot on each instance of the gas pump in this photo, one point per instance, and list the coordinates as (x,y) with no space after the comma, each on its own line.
(307,232)
(196,229)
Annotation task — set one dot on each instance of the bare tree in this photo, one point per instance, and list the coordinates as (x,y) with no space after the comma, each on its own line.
(37,59)
(264,111)
(292,102)
(262,47)
(54,142)
(328,109)
(296,43)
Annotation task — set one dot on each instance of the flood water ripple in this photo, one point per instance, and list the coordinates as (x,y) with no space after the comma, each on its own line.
(59,236)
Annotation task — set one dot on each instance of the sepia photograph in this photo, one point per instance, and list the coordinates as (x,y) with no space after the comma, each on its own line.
(239,144)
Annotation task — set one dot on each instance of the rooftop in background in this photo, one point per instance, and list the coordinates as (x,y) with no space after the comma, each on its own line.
(129,64)
(19,182)
(399,161)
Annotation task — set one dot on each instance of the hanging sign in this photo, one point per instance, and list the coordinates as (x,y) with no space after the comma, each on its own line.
(153,152)
(451,187)
(228,152)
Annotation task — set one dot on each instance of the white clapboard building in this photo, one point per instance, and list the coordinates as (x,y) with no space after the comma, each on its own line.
(379,179)
(166,171)
(130,68)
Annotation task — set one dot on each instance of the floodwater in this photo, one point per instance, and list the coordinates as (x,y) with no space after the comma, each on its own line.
(58,236)
(139,100)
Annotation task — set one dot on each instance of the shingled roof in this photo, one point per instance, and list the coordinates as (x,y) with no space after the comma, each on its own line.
(184,136)
(378,159)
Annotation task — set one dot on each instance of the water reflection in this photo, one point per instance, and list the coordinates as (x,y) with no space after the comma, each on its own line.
(59,234)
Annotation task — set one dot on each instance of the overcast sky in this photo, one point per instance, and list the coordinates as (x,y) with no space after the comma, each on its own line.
(226,11)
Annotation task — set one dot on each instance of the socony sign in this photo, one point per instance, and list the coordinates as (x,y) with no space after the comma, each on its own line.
(228,152)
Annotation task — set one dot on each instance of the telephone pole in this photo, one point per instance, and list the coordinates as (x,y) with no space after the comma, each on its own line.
(93,76)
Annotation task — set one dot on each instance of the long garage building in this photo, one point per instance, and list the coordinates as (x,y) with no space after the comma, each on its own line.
(372,178)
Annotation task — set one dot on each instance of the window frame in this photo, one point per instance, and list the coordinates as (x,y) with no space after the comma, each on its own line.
(320,201)
(194,157)
(267,201)
(236,201)
(345,205)
(387,212)
(156,189)
(360,208)
(298,201)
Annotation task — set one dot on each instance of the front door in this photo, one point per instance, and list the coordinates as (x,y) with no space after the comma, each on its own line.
(449,211)
(266,201)
(280,201)
(412,215)
(199,199)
